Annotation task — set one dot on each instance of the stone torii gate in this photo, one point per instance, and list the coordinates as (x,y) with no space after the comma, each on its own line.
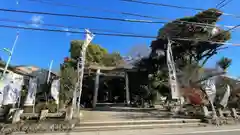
(123,73)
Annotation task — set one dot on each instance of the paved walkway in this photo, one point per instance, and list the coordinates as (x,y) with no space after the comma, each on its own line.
(212,130)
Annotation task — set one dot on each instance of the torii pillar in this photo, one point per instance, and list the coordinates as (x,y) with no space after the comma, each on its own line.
(127,89)
(95,97)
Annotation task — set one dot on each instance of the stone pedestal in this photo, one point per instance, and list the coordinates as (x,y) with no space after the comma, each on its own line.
(205,111)
(69,113)
(17,116)
(43,114)
(11,111)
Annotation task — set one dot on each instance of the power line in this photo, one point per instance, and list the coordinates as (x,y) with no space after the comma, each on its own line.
(82,7)
(123,13)
(164,5)
(229,1)
(114,34)
(75,32)
(127,13)
(221,2)
(94,9)
(97,30)
(81,16)
(175,6)
(60,26)
(115,19)
(63,15)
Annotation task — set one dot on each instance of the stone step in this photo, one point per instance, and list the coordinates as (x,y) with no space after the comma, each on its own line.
(138,122)
(140,126)
(36,115)
(126,109)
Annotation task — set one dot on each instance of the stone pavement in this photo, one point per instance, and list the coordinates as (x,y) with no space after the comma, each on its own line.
(211,130)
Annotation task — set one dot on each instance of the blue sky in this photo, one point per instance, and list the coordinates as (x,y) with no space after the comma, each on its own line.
(39,48)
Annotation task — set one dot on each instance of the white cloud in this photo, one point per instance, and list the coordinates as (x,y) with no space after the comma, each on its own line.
(67,33)
(37,20)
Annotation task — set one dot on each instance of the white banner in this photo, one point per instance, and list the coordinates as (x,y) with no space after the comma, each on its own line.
(18,79)
(31,95)
(210,88)
(11,93)
(224,100)
(89,37)
(2,85)
(55,90)
(172,73)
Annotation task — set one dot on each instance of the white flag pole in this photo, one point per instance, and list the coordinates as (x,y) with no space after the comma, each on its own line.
(49,71)
(172,72)
(81,62)
(10,55)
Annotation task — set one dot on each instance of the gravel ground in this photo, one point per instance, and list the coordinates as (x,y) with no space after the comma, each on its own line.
(34,127)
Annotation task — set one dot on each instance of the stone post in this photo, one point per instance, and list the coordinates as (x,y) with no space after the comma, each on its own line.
(11,113)
(205,111)
(69,113)
(234,113)
(43,114)
(17,116)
